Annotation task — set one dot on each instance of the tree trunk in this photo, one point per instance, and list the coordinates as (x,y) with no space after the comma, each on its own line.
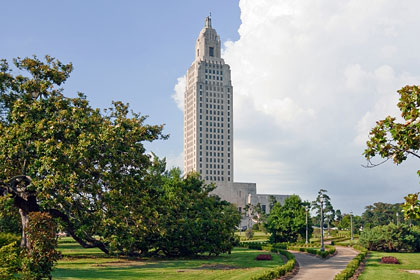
(24,243)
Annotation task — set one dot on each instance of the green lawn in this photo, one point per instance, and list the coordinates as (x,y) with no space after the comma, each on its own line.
(376,270)
(79,263)
(258,236)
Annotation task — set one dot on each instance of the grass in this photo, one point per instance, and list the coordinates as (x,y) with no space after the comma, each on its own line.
(376,270)
(80,263)
(258,236)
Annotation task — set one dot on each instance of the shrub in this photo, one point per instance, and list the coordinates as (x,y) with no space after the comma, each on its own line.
(278,271)
(391,260)
(7,238)
(38,261)
(264,257)
(9,260)
(353,265)
(391,238)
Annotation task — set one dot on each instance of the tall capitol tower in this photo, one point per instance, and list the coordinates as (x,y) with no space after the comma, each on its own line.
(208,125)
(208,118)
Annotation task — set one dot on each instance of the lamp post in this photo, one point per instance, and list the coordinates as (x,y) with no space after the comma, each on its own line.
(351,224)
(321,225)
(398,220)
(307,209)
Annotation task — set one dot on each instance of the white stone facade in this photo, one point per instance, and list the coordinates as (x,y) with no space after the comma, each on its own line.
(208,123)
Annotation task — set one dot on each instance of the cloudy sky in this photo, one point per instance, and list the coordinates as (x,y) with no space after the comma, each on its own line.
(310,79)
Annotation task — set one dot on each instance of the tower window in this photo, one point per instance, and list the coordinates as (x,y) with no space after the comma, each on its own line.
(211,51)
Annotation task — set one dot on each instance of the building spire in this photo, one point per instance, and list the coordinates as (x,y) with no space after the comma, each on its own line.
(208,21)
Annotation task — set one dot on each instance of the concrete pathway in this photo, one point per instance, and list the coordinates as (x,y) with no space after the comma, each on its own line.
(315,268)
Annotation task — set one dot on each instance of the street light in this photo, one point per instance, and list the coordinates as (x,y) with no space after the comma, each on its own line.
(351,224)
(398,220)
(307,209)
(322,224)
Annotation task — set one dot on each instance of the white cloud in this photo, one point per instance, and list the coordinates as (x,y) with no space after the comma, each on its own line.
(179,89)
(175,160)
(310,79)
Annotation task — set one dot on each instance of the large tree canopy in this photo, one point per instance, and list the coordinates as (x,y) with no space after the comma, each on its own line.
(90,170)
(61,156)
(393,140)
(287,222)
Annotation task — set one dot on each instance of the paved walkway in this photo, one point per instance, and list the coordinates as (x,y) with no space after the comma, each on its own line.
(315,268)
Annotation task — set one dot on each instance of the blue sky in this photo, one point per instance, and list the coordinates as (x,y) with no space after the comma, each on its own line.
(310,79)
(131,51)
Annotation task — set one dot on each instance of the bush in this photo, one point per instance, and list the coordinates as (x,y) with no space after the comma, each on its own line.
(9,260)
(353,265)
(7,238)
(391,260)
(391,238)
(264,257)
(278,271)
(315,251)
(38,261)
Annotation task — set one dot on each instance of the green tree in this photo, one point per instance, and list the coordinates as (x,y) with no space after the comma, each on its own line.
(390,139)
(287,222)
(329,213)
(191,220)
(60,156)
(380,214)
(411,207)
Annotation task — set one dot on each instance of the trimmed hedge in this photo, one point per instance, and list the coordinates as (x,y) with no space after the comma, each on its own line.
(278,271)
(315,251)
(353,265)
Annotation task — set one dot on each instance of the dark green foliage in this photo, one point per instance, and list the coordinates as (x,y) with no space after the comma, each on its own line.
(391,238)
(329,250)
(287,222)
(9,216)
(353,265)
(275,248)
(40,257)
(7,238)
(191,221)
(90,170)
(9,255)
(279,271)
(380,214)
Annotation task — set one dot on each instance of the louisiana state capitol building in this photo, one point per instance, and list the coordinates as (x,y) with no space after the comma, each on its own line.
(208,123)
(208,119)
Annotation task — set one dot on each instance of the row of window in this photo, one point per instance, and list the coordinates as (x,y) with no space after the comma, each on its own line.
(214,148)
(215,94)
(218,160)
(214,130)
(216,178)
(219,119)
(213,112)
(210,71)
(216,166)
(213,64)
(211,77)
(215,124)
(214,100)
(214,88)
(214,154)
(218,142)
